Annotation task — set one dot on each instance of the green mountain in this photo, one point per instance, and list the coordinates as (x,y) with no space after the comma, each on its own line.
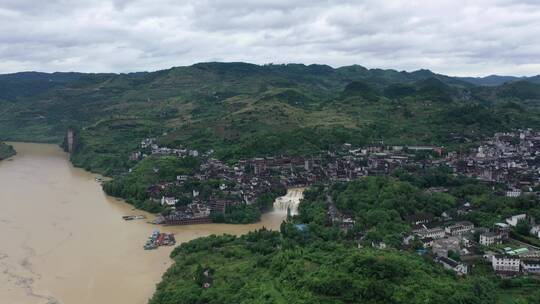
(244,110)
(27,84)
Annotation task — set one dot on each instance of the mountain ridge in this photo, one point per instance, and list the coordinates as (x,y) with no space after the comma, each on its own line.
(489,80)
(244,110)
(496,80)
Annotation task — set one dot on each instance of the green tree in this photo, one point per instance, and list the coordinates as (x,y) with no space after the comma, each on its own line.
(523,227)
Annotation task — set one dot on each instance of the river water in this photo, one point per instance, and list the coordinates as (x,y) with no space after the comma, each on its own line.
(62,240)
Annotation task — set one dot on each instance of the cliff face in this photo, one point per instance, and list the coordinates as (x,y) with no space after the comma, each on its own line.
(70,141)
(70,137)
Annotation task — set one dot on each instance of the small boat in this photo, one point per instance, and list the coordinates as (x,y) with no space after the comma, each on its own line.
(99,179)
(154,241)
(150,246)
(133,217)
(169,240)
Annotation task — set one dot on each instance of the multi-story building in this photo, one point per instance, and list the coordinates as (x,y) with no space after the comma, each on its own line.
(489,238)
(434,233)
(530,265)
(505,263)
(513,193)
(502,229)
(459,228)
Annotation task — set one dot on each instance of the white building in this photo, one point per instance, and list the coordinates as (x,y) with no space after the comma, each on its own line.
(530,265)
(513,220)
(535,230)
(459,228)
(513,193)
(181,178)
(169,201)
(489,238)
(480,153)
(505,263)
(434,233)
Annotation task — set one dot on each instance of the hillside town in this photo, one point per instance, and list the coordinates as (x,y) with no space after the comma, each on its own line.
(510,159)
(248,180)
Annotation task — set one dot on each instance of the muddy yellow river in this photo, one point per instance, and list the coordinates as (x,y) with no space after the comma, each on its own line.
(62,240)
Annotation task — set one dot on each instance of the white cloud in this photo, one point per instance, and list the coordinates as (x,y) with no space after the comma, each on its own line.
(456,37)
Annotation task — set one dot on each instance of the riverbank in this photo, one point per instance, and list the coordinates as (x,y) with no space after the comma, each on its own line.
(65,240)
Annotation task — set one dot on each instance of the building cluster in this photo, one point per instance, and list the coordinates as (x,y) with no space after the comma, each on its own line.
(509,261)
(511,158)
(444,238)
(149,146)
(448,239)
(513,262)
(245,181)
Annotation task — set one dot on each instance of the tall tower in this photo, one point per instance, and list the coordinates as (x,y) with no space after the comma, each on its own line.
(70,140)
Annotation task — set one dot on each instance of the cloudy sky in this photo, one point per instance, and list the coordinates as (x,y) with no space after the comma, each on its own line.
(457,37)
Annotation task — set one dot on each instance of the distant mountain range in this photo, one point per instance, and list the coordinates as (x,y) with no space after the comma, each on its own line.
(495,80)
(244,110)
(24,84)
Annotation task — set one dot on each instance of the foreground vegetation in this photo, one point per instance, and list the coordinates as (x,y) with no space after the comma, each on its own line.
(268,267)
(312,260)
(6,151)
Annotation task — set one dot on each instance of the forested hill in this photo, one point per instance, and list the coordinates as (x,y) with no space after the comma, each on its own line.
(244,110)
(28,84)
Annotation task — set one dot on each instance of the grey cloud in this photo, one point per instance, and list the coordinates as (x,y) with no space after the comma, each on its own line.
(448,36)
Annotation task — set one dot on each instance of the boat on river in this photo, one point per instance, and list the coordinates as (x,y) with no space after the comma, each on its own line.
(150,245)
(133,217)
(159,239)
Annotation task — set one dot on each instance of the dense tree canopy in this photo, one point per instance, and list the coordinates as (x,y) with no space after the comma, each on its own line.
(313,261)
(256,269)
